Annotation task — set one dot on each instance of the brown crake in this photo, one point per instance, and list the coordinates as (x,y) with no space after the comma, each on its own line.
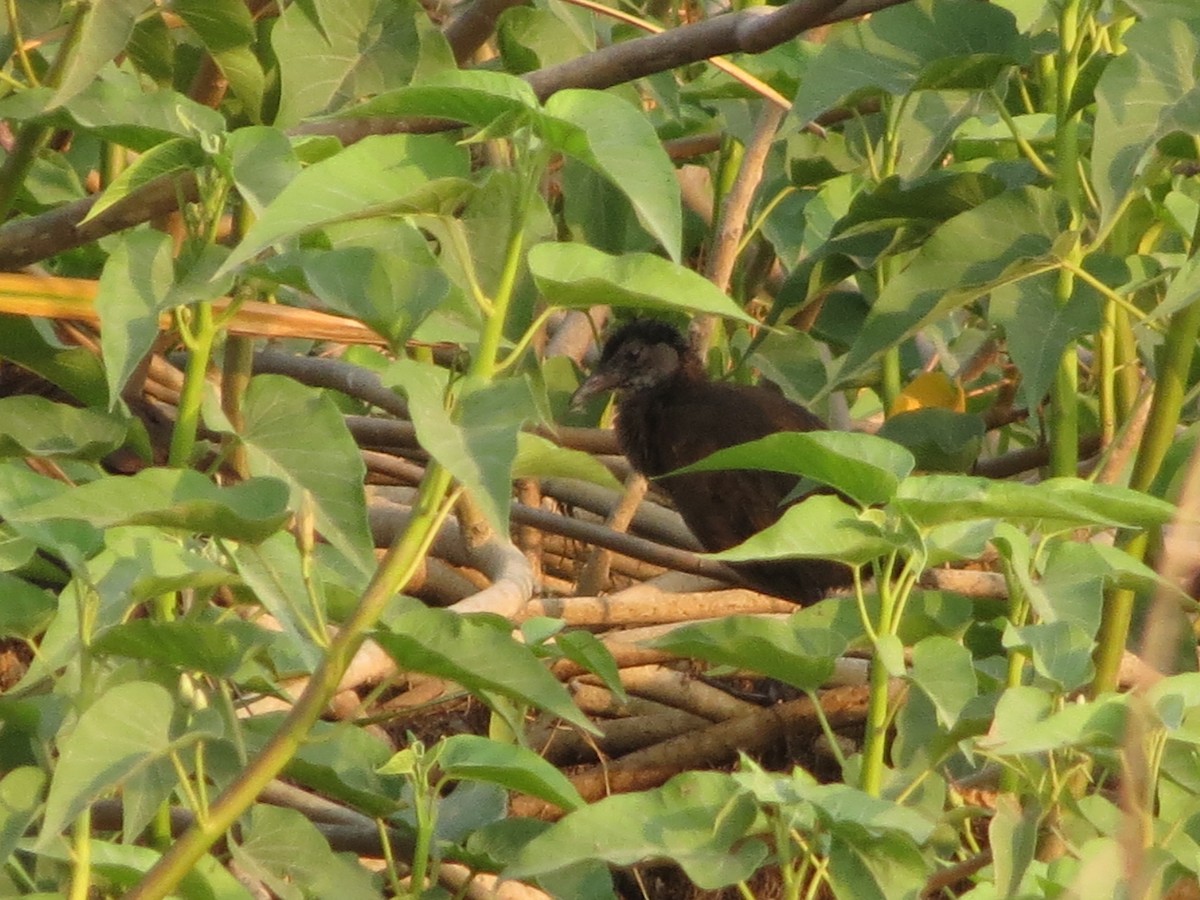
(670,414)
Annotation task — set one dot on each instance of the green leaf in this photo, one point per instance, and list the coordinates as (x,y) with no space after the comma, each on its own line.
(589,651)
(1145,94)
(262,164)
(27,609)
(922,45)
(127,729)
(841,805)
(392,292)
(821,527)
(1002,239)
(321,458)
(698,819)
(137,277)
(801,657)
(332,52)
(1024,723)
(226,28)
(870,868)
(478,655)
(1038,328)
(1061,651)
(941,440)
(20,799)
(77,371)
(538,457)
(1013,837)
(864,467)
(613,137)
(283,849)
(169,498)
(274,571)
(106,28)
(34,426)
(213,648)
(475,96)
(475,758)
(577,277)
(380,175)
(169,157)
(479,448)
(938,499)
(532,38)
(944,670)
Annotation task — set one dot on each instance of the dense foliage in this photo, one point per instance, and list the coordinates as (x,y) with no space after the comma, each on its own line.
(970,227)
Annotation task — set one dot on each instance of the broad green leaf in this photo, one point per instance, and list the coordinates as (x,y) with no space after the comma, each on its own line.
(106,28)
(921,45)
(284,849)
(298,435)
(338,760)
(889,218)
(841,805)
(168,158)
(577,277)
(821,527)
(20,487)
(589,651)
(1007,237)
(801,657)
(941,440)
(943,669)
(701,820)
(1182,291)
(137,278)
(262,163)
(475,758)
(34,426)
(117,106)
(1013,837)
(866,468)
(392,292)
(1061,651)
(532,38)
(21,793)
(1145,94)
(226,28)
(169,498)
(127,729)
(213,648)
(477,97)
(1038,328)
(867,867)
(928,122)
(478,445)
(539,457)
(26,610)
(274,570)
(122,866)
(380,175)
(332,52)
(1025,723)
(613,137)
(77,371)
(938,499)
(477,655)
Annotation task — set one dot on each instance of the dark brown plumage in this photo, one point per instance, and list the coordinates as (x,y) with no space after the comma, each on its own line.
(670,414)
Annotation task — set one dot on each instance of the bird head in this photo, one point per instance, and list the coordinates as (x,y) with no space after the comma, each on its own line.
(639,355)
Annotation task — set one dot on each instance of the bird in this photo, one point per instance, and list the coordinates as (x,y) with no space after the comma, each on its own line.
(670,414)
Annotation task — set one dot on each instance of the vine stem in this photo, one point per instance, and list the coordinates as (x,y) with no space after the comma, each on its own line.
(395,569)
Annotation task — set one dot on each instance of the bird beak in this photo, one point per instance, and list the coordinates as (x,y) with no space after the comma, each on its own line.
(597,383)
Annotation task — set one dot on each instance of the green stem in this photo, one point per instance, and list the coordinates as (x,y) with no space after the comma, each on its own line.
(32,136)
(871,777)
(1159,435)
(183,438)
(81,860)
(395,569)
